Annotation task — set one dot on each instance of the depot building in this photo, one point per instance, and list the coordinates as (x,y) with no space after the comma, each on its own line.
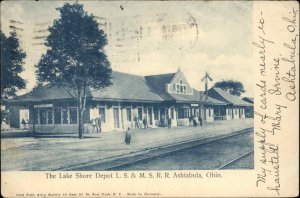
(129,100)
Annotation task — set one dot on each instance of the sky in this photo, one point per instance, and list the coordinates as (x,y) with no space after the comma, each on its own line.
(146,38)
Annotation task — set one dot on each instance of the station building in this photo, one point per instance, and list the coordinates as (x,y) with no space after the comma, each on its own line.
(129,100)
(235,107)
(250,109)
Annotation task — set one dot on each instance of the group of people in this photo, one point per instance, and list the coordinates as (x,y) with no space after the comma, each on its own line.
(165,120)
(96,128)
(96,124)
(195,121)
(138,125)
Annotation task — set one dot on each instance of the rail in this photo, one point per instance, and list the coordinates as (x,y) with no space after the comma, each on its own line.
(190,145)
(147,154)
(234,160)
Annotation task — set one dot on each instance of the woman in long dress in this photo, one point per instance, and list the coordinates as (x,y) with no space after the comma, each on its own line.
(128,137)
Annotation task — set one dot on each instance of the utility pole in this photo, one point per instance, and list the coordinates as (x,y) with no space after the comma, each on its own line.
(206,78)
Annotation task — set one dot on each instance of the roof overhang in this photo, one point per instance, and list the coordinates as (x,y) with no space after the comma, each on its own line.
(32,102)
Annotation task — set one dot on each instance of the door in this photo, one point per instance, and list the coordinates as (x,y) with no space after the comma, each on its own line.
(140,113)
(149,116)
(116,118)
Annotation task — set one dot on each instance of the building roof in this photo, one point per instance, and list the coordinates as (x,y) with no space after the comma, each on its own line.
(211,101)
(223,95)
(125,87)
(249,99)
(47,92)
(158,83)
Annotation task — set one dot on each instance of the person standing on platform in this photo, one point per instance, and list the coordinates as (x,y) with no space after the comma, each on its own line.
(128,137)
(27,123)
(100,123)
(162,121)
(145,122)
(23,123)
(97,125)
(191,121)
(197,119)
(93,124)
(200,121)
(136,121)
(169,121)
(194,121)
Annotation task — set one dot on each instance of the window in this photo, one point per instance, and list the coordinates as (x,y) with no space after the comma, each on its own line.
(178,88)
(181,88)
(186,113)
(140,113)
(36,116)
(217,111)
(116,117)
(155,111)
(180,113)
(57,116)
(128,114)
(49,116)
(172,113)
(42,116)
(183,113)
(149,116)
(73,115)
(86,117)
(102,114)
(64,115)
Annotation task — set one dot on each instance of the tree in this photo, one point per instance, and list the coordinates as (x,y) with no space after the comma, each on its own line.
(12,60)
(233,87)
(75,58)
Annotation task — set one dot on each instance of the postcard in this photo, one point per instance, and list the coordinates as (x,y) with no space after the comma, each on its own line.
(149,98)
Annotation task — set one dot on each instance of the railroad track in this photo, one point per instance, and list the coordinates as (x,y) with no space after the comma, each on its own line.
(191,145)
(235,160)
(123,161)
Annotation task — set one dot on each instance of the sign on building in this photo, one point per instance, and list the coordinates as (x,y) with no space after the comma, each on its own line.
(43,105)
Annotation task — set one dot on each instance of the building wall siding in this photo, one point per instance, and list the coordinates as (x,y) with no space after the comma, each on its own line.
(209,114)
(92,112)
(14,115)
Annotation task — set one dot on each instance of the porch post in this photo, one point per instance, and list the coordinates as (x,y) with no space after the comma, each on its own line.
(33,121)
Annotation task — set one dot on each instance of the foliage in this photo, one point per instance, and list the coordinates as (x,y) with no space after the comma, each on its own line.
(12,60)
(233,87)
(4,116)
(75,59)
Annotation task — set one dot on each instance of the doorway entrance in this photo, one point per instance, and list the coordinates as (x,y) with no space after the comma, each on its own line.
(116,118)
